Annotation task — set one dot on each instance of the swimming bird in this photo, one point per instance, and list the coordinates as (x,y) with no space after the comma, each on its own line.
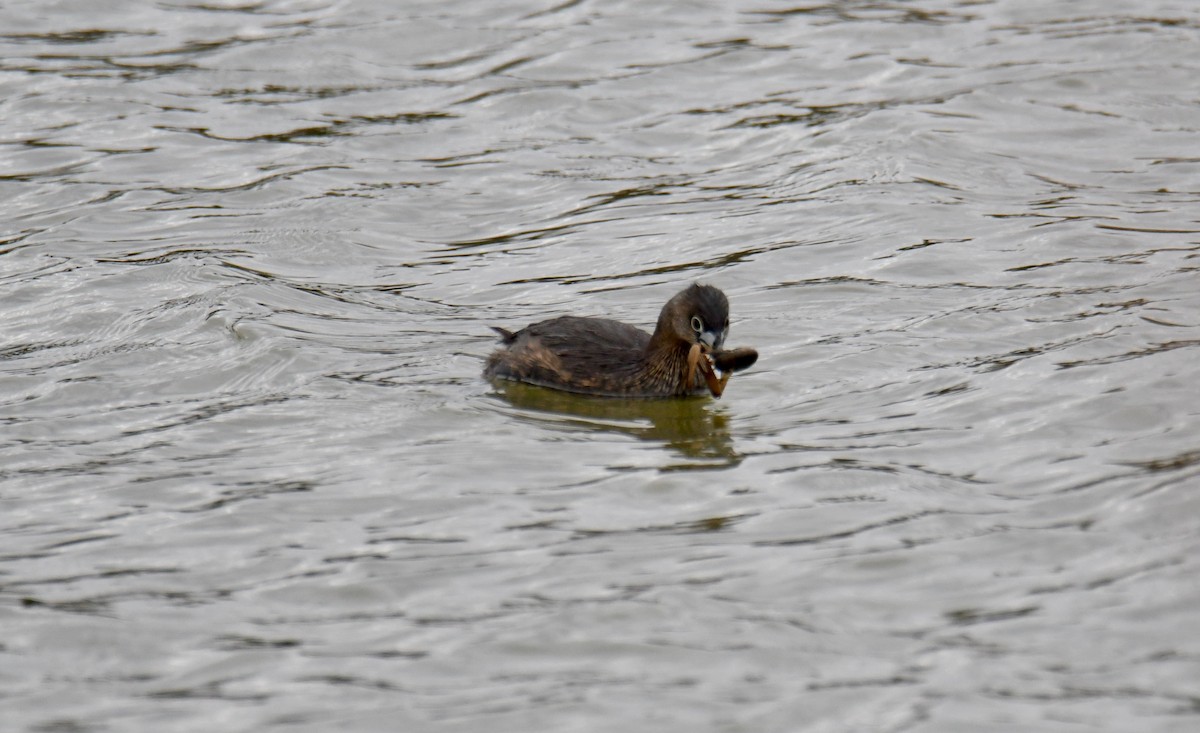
(600,356)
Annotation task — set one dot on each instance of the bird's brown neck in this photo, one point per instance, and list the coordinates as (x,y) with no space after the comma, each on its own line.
(666,362)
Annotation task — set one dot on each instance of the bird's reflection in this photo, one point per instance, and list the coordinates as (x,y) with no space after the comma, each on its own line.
(692,426)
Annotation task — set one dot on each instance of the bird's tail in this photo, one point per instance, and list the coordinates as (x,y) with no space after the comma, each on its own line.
(505,335)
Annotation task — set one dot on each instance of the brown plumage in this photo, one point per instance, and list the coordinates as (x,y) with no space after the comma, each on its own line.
(605,357)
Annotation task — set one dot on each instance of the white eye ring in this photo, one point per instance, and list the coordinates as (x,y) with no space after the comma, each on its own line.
(697,324)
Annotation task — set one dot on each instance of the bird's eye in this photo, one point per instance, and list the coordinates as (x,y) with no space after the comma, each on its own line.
(697,324)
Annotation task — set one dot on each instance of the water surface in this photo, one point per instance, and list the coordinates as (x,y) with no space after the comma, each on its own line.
(251,479)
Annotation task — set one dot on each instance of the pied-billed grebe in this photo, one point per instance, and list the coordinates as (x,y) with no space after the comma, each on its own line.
(604,357)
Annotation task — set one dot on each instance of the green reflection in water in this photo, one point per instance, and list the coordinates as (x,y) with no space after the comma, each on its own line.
(692,426)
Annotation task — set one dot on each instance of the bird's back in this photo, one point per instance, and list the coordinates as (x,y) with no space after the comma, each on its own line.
(589,355)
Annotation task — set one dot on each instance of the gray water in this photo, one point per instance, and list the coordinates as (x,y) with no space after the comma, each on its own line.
(251,479)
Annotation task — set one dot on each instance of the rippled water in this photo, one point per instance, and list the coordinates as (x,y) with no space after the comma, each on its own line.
(251,479)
